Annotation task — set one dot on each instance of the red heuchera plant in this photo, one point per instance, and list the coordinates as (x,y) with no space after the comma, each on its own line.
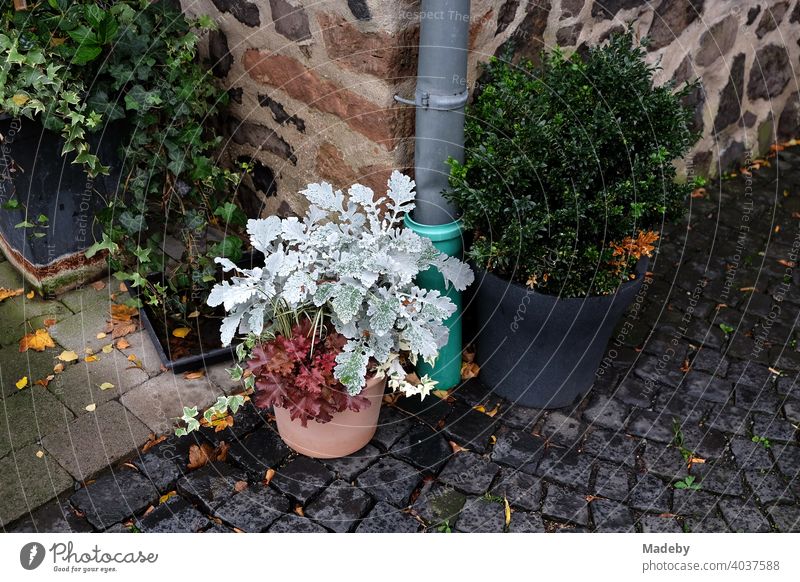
(296,373)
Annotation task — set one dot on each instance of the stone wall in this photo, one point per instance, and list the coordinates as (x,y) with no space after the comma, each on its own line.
(311,83)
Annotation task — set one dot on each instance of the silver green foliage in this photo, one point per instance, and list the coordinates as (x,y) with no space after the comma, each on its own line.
(350,257)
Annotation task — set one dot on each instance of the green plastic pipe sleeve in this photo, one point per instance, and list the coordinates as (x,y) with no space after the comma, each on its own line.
(439,99)
(448,239)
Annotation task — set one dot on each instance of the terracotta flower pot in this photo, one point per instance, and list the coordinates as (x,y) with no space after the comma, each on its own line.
(347,433)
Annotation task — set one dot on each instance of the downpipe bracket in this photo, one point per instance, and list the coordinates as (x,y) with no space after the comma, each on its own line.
(426,100)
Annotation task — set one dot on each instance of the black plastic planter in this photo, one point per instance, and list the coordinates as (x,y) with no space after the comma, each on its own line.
(538,350)
(206,357)
(36,180)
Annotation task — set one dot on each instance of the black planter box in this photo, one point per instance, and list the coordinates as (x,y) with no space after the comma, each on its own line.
(35,176)
(539,350)
(191,362)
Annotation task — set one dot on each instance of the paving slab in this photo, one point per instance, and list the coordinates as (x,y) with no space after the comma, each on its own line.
(84,383)
(28,479)
(159,402)
(95,441)
(28,416)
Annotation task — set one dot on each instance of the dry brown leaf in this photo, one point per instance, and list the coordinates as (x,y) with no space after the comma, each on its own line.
(298,509)
(123,288)
(123,344)
(199,456)
(221,452)
(99,285)
(122,312)
(696,461)
(50,321)
(698,192)
(6,293)
(268,475)
(153,441)
(456,447)
(119,330)
(196,375)
(468,355)
(38,341)
(46,380)
(240,486)
(469,370)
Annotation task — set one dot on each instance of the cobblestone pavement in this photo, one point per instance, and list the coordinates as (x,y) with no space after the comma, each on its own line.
(691,426)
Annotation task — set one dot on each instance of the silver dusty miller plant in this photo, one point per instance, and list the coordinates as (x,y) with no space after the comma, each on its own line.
(348,258)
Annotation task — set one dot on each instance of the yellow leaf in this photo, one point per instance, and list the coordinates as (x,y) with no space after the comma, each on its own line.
(22,382)
(193,314)
(19,99)
(167,496)
(6,293)
(507,510)
(132,358)
(91,407)
(100,335)
(31,294)
(108,348)
(39,454)
(37,341)
(181,332)
(106,386)
(90,359)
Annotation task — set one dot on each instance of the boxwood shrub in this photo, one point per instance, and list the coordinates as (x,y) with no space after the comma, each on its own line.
(568,174)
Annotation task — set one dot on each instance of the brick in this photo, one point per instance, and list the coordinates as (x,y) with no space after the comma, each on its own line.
(292,77)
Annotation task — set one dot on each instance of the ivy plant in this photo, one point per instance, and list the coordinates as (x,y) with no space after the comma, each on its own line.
(131,68)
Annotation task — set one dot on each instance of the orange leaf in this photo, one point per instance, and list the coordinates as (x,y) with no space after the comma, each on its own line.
(299,510)
(123,344)
(268,475)
(153,441)
(240,486)
(6,293)
(469,370)
(98,285)
(456,447)
(37,341)
(785,263)
(197,374)
(30,294)
(123,312)
(50,321)
(91,358)
(698,192)
(199,456)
